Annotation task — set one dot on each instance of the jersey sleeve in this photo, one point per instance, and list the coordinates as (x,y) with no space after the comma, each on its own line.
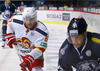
(42,39)
(41,42)
(96,48)
(40,46)
(64,58)
(95,43)
(10,26)
(63,64)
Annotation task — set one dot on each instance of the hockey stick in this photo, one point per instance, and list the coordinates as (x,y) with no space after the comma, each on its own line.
(20,58)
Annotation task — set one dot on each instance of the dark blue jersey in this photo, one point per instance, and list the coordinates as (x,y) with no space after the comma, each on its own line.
(11,7)
(86,60)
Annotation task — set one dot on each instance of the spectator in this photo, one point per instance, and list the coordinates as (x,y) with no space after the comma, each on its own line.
(34,6)
(65,7)
(22,6)
(50,5)
(45,6)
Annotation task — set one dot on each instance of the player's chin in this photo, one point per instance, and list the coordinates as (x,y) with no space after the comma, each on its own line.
(76,45)
(29,26)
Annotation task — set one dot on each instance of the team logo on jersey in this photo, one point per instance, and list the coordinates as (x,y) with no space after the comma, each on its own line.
(88,52)
(87,65)
(24,42)
(32,33)
(62,51)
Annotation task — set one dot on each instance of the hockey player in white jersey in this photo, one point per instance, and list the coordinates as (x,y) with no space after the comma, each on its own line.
(30,39)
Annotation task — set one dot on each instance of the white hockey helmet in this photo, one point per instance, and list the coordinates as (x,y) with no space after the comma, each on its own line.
(30,12)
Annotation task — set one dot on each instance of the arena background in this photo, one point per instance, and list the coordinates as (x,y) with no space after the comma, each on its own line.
(56,19)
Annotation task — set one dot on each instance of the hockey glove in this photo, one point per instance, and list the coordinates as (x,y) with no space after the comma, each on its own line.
(11,39)
(27,61)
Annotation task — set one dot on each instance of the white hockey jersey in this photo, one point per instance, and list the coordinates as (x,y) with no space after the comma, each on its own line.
(29,42)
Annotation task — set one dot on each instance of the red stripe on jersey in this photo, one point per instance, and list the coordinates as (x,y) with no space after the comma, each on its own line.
(41,49)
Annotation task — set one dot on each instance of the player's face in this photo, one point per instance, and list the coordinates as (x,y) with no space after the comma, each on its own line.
(29,22)
(8,1)
(22,4)
(78,40)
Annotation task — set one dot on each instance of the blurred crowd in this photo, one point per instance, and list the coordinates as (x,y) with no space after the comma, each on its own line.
(54,5)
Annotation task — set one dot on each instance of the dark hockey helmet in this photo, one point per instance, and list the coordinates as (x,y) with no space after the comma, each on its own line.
(77,26)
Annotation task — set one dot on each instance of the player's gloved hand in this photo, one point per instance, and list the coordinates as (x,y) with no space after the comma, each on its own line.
(11,39)
(27,61)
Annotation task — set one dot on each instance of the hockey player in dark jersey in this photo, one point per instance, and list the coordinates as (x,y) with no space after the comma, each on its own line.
(81,49)
(7,9)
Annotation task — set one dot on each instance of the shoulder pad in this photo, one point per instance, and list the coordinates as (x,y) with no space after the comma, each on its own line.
(18,19)
(95,37)
(41,28)
(96,40)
